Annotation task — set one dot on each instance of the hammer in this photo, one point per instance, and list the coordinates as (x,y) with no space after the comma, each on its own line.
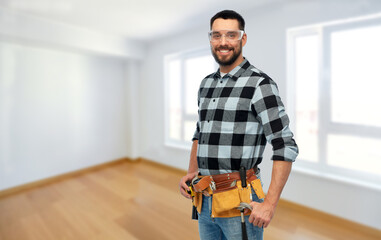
(243,205)
(241,208)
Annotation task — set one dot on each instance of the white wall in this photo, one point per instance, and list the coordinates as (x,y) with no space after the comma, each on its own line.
(65,98)
(132,97)
(59,112)
(266,49)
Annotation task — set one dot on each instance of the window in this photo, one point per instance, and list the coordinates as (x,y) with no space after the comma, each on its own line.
(183,75)
(334,91)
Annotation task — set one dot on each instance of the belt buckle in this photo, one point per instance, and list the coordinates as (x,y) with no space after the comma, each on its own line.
(212,185)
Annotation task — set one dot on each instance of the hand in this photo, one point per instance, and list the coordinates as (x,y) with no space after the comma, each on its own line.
(262,214)
(184,187)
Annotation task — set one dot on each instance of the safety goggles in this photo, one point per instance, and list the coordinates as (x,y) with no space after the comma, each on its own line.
(230,35)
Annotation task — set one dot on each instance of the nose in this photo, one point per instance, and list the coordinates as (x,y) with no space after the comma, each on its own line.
(223,39)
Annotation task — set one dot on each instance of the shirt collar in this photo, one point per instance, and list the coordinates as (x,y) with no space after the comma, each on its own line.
(236,72)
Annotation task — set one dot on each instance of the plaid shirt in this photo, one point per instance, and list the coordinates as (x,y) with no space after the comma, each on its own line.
(238,115)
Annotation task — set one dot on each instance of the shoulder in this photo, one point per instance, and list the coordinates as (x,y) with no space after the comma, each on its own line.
(206,81)
(257,77)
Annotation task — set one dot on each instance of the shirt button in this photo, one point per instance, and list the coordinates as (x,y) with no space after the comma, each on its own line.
(203,141)
(221,82)
(214,100)
(208,120)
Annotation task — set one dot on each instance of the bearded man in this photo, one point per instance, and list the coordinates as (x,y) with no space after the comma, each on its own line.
(240,110)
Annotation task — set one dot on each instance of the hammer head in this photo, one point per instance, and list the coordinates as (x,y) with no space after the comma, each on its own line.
(244,205)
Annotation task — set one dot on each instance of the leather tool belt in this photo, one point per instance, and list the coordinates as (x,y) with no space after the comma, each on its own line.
(227,192)
(221,182)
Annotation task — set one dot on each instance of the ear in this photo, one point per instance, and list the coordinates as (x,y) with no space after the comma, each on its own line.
(244,39)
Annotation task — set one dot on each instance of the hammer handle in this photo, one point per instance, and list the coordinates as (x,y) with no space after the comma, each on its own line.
(243,227)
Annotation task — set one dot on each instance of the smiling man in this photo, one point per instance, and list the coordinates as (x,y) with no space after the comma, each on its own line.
(226,49)
(239,112)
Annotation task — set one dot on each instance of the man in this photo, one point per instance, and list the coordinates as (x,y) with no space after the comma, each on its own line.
(239,111)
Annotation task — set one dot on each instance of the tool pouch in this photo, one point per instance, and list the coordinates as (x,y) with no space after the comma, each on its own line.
(197,201)
(257,187)
(224,204)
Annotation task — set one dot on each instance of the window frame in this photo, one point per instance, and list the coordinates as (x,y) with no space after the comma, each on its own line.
(326,124)
(182,57)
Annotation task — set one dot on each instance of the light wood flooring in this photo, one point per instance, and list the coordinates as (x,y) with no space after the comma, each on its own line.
(139,200)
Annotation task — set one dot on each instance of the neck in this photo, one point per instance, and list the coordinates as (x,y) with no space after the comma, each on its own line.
(228,68)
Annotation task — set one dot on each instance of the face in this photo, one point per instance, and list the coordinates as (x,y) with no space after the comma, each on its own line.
(226,53)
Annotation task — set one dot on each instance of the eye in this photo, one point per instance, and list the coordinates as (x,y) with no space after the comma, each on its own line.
(216,35)
(232,35)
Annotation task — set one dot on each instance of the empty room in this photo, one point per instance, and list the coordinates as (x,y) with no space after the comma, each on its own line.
(214,119)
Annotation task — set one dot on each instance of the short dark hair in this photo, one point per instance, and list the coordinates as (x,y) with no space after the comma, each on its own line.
(229,14)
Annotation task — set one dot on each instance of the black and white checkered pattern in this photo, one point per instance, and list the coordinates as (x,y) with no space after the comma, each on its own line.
(238,115)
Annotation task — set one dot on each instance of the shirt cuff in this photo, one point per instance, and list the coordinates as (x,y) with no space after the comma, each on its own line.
(288,153)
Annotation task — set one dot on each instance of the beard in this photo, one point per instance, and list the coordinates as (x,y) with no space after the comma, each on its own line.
(230,60)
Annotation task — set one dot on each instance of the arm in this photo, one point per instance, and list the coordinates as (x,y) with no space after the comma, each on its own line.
(193,166)
(269,110)
(263,212)
(192,170)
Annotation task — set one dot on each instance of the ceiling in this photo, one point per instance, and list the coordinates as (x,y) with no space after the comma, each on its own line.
(134,19)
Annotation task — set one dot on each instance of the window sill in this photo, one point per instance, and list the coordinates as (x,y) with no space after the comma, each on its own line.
(336,178)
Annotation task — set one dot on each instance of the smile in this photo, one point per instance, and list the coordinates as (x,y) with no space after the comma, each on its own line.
(224,51)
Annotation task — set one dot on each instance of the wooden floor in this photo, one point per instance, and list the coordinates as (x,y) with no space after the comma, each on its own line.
(137,200)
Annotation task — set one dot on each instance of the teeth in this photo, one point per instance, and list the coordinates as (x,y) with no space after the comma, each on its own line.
(224,51)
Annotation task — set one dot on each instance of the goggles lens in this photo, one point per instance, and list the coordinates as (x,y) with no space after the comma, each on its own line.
(230,35)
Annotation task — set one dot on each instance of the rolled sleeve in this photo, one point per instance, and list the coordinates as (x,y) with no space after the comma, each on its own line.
(270,112)
(196,134)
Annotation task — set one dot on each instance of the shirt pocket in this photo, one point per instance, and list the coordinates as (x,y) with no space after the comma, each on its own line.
(242,118)
(228,116)
(230,104)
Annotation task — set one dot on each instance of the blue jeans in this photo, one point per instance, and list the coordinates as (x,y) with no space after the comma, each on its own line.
(225,228)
